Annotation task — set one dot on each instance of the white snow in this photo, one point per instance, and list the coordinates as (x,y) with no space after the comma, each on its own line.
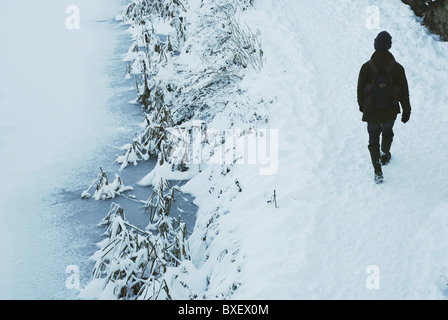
(313,230)
(333,223)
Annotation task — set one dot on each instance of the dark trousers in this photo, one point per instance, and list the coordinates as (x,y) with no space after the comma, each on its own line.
(376,129)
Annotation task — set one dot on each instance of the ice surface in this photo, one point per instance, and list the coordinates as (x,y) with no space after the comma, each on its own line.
(65,110)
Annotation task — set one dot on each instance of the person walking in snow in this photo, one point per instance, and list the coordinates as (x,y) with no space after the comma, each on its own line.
(382,88)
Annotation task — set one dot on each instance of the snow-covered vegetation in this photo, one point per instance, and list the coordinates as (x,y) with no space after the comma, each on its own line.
(188,61)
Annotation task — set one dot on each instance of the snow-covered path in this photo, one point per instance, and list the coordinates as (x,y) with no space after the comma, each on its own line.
(64,109)
(334,222)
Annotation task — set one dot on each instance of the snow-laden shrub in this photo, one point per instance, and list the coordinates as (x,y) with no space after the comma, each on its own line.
(159,205)
(132,261)
(104,189)
(225,38)
(140,9)
(225,49)
(149,142)
(144,12)
(134,152)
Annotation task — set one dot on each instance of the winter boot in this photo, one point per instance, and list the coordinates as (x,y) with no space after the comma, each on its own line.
(379,177)
(375,155)
(386,143)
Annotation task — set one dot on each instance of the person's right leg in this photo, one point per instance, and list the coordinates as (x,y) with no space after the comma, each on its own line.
(374,130)
(386,142)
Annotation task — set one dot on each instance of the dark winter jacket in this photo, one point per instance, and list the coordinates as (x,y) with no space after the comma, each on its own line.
(382,59)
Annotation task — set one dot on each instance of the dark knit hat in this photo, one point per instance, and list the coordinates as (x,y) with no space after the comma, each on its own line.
(383,41)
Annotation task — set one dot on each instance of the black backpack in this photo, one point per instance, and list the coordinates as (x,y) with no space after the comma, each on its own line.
(381,93)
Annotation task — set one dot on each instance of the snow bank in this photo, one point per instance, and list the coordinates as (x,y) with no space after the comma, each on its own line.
(331,222)
(317,226)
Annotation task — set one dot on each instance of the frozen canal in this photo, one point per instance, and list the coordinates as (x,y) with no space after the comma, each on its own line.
(65,112)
